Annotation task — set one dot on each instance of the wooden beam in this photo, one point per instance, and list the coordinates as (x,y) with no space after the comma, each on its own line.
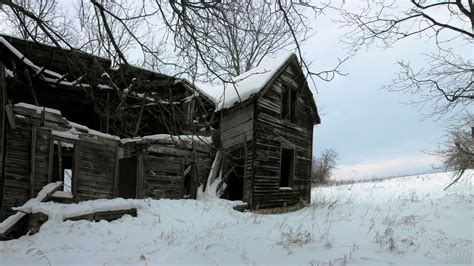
(10,116)
(32,161)
(60,161)
(118,156)
(30,86)
(3,102)
(75,168)
(140,177)
(2,114)
(50,159)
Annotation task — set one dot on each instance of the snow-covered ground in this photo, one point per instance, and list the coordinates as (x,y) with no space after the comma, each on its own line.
(401,220)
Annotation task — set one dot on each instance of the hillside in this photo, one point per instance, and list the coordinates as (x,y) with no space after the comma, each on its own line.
(401,220)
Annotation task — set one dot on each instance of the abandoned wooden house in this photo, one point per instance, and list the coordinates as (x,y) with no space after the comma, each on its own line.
(121,131)
(266,134)
(64,118)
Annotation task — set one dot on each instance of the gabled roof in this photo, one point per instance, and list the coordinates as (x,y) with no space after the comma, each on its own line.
(254,83)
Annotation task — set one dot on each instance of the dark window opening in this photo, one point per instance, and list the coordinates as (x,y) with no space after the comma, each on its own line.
(288,104)
(63,164)
(287,169)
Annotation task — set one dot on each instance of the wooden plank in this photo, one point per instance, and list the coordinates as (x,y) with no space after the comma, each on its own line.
(140,175)
(2,117)
(2,131)
(118,156)
(104,215)
(50,159)
(32,161)
(75,168)
(10,116)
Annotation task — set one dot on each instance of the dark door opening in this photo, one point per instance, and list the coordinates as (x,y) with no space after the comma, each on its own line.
(287,169)
(236,179)
(128,178)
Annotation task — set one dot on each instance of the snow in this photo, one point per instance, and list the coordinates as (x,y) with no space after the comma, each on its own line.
(58,212)
(63,194)
(407,220)
(243,86)
(76,130)
(26,60)
(170,138)
(42,194)
(38,109)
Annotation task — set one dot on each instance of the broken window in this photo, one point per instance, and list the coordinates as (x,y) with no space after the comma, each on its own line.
(288,104)
(287,168)
(63,164)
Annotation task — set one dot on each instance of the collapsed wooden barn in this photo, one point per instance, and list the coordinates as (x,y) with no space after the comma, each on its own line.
(129,132)
(43,89)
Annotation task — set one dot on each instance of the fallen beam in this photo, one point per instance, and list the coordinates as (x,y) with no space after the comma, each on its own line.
(7,226)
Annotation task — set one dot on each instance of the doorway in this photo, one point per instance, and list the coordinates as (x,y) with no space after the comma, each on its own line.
(128,178)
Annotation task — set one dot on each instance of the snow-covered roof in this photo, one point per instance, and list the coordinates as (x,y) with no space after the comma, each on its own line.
(74,130)
(169,138)
(245,85)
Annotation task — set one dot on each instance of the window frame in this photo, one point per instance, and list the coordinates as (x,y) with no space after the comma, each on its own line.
(289,100)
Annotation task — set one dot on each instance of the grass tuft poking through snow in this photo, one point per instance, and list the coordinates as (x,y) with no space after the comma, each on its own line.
(396,221)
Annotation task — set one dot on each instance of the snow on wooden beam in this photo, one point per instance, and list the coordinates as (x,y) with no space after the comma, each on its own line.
(8,224)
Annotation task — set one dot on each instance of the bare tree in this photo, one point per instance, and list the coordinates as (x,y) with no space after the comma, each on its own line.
(45,10)
(458,152)
(231,38)
(323,166)
(445,83)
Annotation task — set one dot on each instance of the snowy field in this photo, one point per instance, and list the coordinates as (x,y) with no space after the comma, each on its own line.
(397,221)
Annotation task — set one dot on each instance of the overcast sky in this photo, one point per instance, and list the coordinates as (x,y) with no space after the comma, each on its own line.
(374,131)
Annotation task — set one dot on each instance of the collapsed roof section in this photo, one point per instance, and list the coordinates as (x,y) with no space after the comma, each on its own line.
(88,90)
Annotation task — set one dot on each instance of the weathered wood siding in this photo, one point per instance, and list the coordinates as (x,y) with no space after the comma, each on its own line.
(42,146)
(94,170)
(271,133)
(17,168)
(237,126)
(163,175)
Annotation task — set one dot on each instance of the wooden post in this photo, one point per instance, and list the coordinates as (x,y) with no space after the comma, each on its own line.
(50,159)
(2,113)
(3,102)
(10,115)
(107,120)
(140,177)
(118,156)
(32,161)
(60,162)
(75,168)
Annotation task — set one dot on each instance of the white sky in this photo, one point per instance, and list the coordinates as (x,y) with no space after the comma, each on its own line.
(375,133)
